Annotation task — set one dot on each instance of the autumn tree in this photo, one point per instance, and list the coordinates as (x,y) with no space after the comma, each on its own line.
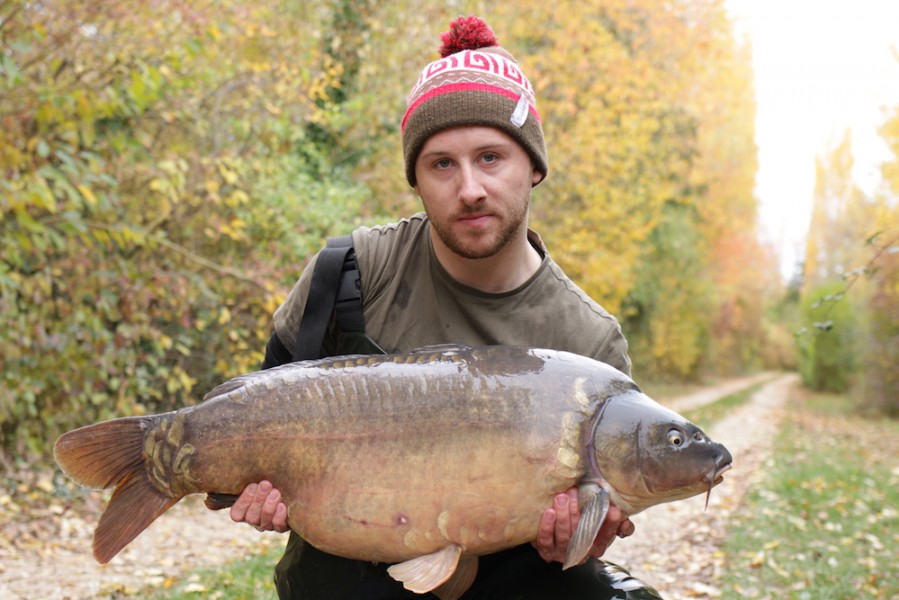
(168,167)
(158,196)
(879,382)
(879,385)
(742,269)
(828,360)
(847,280)
(667,319)
(650,122)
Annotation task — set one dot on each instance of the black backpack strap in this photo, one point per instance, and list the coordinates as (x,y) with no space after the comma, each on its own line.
(348,308)
(335,288)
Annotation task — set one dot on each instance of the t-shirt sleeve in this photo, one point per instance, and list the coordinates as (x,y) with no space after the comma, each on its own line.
(613,350)
(289,315)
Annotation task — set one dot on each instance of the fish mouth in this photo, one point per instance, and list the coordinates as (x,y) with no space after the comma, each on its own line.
(715,476)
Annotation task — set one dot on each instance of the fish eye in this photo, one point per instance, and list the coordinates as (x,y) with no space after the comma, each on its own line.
(675,437)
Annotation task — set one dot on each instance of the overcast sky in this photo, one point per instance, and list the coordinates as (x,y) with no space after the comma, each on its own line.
(821,66)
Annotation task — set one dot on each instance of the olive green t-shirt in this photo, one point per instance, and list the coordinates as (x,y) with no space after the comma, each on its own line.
(410,301)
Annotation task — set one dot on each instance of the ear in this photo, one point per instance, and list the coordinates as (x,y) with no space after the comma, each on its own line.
(536,177)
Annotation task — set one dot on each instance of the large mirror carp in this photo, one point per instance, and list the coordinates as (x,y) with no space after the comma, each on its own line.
(426,460)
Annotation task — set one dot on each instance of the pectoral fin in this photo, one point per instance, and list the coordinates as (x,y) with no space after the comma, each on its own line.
(594,503)
(424,573)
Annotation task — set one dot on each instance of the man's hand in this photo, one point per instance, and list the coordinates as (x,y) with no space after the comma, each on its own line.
(558,523)
(260,506)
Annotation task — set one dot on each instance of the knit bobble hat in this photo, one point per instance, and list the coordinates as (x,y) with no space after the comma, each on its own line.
(475,82)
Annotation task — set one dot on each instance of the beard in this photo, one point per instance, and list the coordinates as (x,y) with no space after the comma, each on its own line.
(486,244)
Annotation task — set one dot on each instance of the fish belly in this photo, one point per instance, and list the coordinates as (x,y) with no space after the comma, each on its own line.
(391,500)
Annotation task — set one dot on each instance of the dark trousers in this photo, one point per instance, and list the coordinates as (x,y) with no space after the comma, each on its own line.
(519,573)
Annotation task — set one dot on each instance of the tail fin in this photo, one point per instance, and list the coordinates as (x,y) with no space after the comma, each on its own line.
(112,454)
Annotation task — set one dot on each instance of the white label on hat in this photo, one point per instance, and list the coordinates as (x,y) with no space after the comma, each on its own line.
(520,114)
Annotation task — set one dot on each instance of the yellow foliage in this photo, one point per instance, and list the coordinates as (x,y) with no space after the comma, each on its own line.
(164,159)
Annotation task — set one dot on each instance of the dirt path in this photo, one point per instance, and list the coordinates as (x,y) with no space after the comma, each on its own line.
(676,546)
(46,553)
(710,394)
(61,566)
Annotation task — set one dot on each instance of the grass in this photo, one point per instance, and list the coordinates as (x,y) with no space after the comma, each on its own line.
(823,523)
(704,416)
(245,579)
(659,390)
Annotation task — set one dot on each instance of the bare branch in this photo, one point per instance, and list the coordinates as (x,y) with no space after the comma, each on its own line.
(205,262)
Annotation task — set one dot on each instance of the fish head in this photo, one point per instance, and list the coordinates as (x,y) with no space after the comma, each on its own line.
(649,454)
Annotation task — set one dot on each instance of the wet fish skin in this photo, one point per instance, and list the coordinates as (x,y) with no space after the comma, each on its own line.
(446,453)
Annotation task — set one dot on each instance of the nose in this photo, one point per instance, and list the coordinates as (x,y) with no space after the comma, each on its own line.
(471,189)
(722,456)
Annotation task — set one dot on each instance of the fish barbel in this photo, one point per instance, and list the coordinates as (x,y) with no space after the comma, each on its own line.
(426,460)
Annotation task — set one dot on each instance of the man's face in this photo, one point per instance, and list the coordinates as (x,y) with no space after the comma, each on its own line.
(475,184)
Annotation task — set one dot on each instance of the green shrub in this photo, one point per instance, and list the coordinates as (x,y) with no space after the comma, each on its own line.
(827,340)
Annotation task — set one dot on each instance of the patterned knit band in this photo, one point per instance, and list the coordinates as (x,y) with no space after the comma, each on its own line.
(480,84)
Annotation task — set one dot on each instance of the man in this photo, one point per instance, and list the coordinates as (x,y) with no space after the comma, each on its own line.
(467,271)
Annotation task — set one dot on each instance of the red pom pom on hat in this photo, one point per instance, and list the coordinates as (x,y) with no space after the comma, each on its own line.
(467,33)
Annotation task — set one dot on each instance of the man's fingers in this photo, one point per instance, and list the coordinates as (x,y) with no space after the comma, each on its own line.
(545,542)
(269,507)
(626,528)
(254,511)
(562,504)
(546,532)
(574,511)
(279,521)
(239,508)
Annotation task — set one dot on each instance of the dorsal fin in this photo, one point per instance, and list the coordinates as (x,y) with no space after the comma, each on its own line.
(432,348)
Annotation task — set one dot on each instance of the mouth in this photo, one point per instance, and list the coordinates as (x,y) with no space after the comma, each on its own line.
(475,220)
(714,477)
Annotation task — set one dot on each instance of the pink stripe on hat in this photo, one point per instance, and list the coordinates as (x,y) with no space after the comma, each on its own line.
(463,87)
